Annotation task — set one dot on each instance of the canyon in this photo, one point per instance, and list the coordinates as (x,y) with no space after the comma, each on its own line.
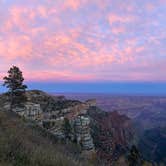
(103,134)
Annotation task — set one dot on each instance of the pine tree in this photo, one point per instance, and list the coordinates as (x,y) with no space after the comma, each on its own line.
(134,157)
(14,82)
(67,128)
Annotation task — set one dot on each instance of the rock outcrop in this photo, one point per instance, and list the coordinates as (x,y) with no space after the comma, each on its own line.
(106,134)
(83,135)
(50,112)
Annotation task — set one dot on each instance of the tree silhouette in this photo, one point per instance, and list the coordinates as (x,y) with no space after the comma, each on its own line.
(67,128)
(134,157)
(14,82)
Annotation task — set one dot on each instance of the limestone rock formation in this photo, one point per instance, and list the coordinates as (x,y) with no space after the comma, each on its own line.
(30,110)
(51,111)
(83,135)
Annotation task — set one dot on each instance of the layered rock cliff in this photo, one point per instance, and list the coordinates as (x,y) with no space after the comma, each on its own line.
(95,131)
(51,112)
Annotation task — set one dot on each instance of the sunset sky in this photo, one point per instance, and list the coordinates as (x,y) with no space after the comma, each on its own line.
(84,41)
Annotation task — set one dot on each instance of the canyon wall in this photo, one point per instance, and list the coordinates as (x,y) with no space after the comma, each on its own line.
(95,131)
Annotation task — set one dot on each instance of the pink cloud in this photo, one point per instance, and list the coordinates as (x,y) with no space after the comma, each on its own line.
(16,47)
(42,11)
(113,18)
(150,7)
(73,4)
(118,30)
(56,76)
(72,40)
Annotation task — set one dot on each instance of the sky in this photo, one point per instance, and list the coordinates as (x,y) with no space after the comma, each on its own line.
(77,42)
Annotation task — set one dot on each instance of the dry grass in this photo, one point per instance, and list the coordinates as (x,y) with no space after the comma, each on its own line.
(22,143)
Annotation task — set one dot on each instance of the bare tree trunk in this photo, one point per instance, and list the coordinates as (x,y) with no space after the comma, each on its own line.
(11,100)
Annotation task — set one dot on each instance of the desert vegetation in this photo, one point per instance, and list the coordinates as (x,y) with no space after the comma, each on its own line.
(24,143)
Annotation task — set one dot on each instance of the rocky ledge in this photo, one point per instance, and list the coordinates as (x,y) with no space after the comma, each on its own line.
(66,119)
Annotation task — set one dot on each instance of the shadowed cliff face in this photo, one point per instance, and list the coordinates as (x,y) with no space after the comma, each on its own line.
(112,133)
(152,144)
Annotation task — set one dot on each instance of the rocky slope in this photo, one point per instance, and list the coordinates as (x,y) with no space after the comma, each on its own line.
(112,134)
(23,143)
(96,132)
